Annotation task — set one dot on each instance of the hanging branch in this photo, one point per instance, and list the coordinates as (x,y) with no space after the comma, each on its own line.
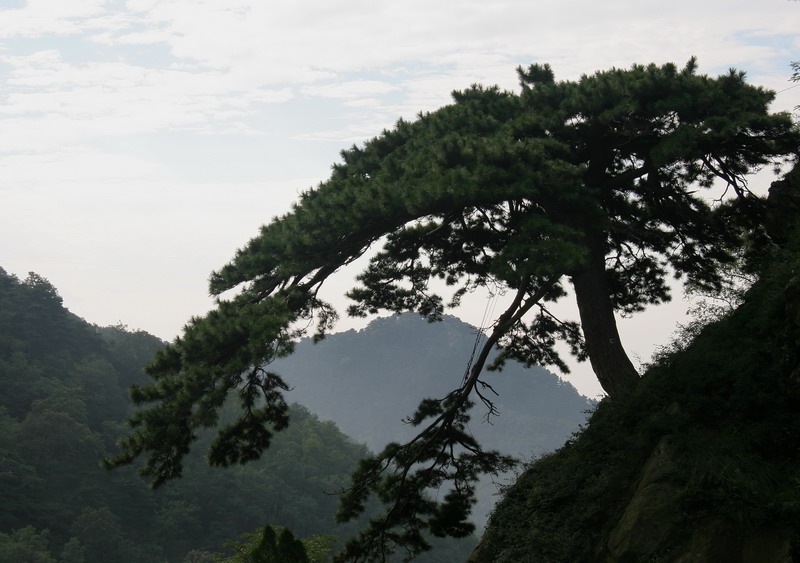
(442,452)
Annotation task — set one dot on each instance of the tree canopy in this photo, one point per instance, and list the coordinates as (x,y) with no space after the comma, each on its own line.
(599,184)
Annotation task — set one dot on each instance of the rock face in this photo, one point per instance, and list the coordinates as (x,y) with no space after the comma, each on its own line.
(702,463)
(653,526)
(656,520)
(653,514)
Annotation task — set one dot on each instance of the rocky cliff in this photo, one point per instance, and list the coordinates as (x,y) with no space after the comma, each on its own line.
(702,462)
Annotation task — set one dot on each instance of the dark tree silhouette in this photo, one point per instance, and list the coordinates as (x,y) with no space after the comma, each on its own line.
(599,183)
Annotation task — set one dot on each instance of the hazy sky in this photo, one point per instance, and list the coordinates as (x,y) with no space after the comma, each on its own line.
(143,142)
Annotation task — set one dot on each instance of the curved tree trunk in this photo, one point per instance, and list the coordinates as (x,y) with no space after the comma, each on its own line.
(609,361)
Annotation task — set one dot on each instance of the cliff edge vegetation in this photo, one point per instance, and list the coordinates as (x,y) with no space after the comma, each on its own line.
(701,462)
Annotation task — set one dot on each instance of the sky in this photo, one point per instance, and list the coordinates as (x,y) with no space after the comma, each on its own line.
(142,142)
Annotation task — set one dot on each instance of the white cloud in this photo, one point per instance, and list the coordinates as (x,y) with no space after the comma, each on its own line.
(363,103)
(52,102)
(72,167)
(107,107)
(350,89)
(51,17)
(147,37)
(354,131)
(231,56)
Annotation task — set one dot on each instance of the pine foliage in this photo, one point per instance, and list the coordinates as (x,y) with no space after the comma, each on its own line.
(601,181)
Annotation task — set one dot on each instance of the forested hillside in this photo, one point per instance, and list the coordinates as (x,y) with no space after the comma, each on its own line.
(63,401)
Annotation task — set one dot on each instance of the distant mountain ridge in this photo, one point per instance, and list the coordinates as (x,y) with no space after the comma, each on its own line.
(369,381)
(380,374)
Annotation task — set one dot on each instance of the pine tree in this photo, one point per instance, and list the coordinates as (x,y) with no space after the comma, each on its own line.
(599,184)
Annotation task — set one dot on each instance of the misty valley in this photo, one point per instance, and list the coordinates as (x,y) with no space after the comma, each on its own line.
(64,403)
